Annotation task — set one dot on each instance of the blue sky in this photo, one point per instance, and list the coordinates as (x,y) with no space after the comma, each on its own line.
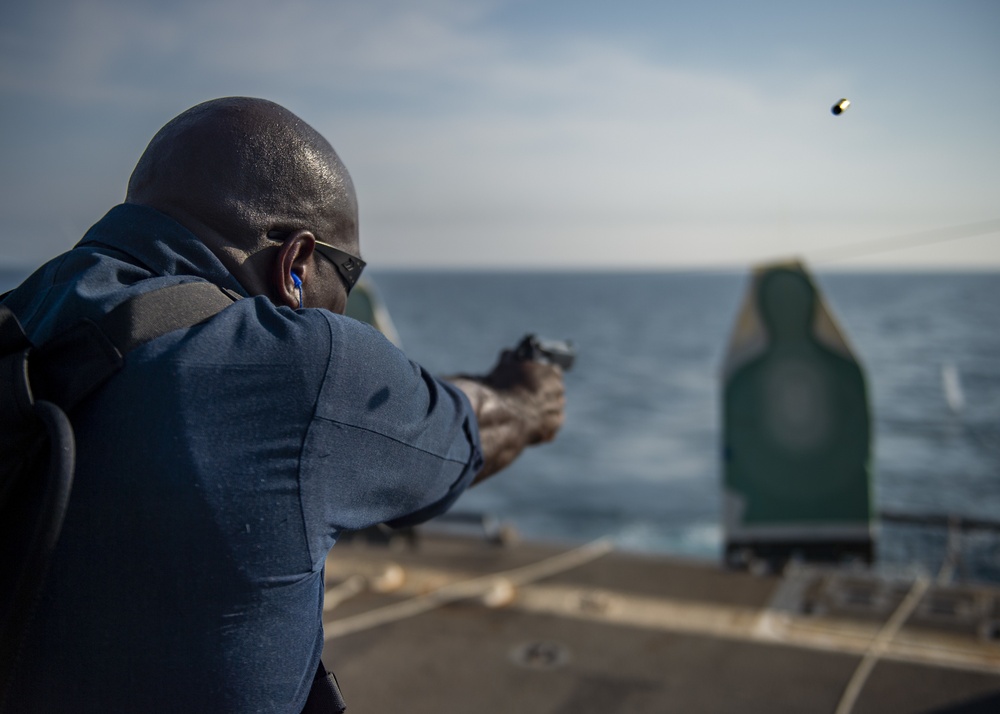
(543,134)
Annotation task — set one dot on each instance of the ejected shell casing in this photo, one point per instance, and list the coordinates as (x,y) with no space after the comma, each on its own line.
(840,107)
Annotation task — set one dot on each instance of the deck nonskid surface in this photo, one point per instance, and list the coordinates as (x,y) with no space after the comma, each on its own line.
(469,626)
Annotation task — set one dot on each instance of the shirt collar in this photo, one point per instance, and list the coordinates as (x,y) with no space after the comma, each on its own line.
(160,244)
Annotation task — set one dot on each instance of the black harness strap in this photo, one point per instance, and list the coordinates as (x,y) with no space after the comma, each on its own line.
(37,387)
(51,379)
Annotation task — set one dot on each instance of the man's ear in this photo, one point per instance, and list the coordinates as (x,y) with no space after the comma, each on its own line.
(293,258)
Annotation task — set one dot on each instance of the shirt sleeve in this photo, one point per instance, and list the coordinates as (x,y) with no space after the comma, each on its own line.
(388,442)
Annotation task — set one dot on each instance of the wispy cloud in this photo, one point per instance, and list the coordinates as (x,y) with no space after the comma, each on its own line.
(455,124)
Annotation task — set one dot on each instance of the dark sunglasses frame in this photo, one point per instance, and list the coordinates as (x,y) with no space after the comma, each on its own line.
(348,266)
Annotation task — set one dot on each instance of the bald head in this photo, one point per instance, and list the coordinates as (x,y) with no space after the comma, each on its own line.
(233,169)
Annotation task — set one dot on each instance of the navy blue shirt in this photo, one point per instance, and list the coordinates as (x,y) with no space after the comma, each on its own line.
(214,473)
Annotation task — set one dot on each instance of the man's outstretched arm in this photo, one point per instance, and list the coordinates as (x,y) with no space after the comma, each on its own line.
(519,403)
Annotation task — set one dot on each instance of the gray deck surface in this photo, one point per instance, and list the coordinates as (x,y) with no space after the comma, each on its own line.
(626,633)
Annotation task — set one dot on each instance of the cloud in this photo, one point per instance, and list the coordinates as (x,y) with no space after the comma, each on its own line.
(455,124)
(91,49)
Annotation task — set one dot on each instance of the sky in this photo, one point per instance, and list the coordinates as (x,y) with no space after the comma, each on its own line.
(534,135)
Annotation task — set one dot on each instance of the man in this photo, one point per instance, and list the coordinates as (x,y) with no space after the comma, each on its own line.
(216,470)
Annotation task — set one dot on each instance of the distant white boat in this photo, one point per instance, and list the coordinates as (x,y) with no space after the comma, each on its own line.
(952,385)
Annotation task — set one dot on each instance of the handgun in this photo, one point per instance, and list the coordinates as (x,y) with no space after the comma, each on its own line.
(536,349)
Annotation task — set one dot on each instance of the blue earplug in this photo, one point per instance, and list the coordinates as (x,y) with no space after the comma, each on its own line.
(298,286)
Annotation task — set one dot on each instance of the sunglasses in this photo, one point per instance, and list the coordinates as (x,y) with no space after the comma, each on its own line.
(348,266)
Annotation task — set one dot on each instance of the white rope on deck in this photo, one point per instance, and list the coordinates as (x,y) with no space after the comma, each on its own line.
(881,643)
(467,589)
(354,585)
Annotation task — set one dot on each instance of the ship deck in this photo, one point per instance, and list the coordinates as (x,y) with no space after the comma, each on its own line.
(452,623)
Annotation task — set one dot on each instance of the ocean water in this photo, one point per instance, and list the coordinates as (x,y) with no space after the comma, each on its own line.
(638,458)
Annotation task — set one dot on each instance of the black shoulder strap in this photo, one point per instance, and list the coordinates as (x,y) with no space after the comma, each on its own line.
(150,315)
(75,363)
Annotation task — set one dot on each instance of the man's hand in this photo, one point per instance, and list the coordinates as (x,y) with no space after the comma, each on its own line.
(519,403)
